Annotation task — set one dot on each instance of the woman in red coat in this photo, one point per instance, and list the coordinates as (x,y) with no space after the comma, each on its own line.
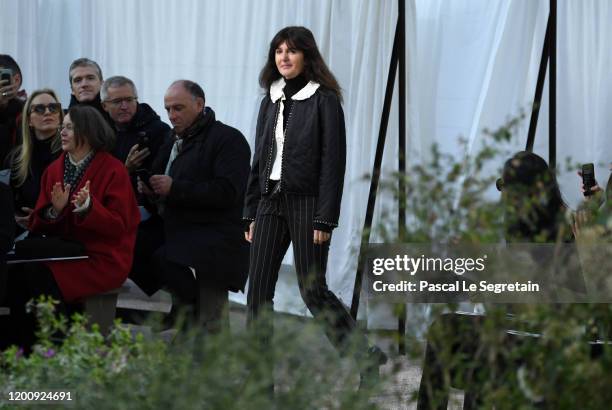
(86,196)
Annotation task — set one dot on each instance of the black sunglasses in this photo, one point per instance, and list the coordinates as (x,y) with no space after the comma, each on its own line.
(42,108)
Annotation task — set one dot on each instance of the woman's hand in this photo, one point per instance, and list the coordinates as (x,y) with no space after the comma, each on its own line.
(320,237)
(24,220)
(249,235)
(59,197)
(80,198)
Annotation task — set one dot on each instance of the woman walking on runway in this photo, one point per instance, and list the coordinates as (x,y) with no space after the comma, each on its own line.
(295,187)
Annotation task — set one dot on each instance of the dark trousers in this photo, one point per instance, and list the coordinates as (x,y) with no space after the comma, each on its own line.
(206,302)
(149,238)
(454,336)
(288,219)
(27,281)
(152,270)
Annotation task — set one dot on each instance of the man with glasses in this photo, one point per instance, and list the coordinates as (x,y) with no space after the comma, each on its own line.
(11,104)
(140,132)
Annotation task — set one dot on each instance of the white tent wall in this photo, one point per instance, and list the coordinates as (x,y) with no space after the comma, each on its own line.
(470,64)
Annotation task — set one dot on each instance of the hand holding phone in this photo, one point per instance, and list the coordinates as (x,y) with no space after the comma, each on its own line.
(7,89)
(144,175)
(22,216)
(5,75)
(136,157)
(143,141)
(588,178)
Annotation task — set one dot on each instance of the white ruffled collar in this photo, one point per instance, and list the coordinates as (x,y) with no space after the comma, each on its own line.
(276,90)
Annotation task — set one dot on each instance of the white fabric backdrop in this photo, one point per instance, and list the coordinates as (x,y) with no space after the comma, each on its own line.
(471,64)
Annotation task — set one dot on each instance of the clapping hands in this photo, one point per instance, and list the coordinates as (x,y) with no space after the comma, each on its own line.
(60,196)
(80,198)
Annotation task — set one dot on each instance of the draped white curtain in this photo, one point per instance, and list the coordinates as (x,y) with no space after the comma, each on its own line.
(470,64)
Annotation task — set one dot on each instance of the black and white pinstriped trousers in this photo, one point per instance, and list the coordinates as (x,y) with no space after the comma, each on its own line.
(279,221)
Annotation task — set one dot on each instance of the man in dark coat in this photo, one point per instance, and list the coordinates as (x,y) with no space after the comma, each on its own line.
(199,182)
(139,130)
(11,104)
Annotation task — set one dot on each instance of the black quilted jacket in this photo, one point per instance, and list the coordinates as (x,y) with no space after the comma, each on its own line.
(314,155)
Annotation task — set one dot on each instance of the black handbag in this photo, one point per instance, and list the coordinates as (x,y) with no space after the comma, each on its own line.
(48,247)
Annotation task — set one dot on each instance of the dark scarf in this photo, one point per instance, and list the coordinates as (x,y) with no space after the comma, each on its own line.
(202,121)
(74,173)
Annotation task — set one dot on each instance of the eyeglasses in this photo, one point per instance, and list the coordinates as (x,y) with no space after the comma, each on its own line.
(117,101)
(42,108)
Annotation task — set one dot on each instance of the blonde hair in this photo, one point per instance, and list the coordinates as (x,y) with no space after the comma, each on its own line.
(22,157)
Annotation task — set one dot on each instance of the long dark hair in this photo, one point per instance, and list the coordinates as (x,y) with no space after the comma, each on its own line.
(315,68)
(533,202)
(90,126)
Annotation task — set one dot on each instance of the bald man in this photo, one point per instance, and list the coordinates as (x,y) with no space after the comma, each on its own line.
(198,184)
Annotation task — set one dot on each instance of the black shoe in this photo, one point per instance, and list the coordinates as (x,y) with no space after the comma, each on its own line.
(370,376)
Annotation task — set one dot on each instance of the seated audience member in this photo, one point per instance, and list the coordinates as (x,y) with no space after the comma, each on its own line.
(135,124)
(86,197)
(11,103)
(7,229)
(85,78)
(41,145)
(534,210)
(198,184)
(533,213)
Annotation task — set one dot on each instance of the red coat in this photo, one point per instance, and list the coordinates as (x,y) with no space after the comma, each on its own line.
(108,230)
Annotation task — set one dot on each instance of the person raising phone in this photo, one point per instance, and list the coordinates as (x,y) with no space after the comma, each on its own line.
(11,104)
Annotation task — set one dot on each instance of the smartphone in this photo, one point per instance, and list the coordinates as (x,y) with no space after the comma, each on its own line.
(143,141)
(144,176)
(6,74)
(588,178)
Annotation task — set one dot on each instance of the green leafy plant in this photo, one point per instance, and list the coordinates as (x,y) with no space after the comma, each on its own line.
(224,371)
(554,362)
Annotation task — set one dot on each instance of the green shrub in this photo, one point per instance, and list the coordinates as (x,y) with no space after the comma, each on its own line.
(450,202)
(194,371)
